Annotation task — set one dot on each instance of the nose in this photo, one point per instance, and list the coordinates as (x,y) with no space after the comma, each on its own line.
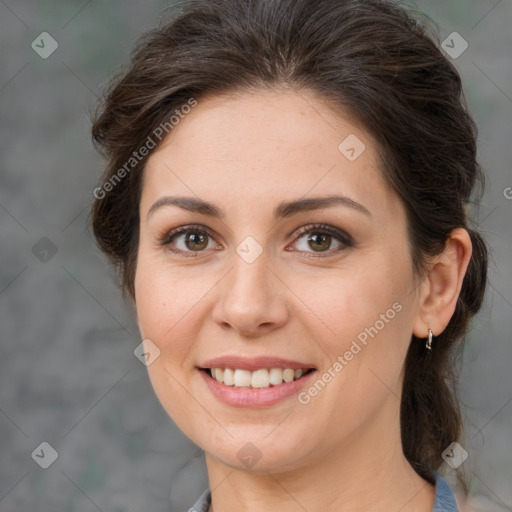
(252,299)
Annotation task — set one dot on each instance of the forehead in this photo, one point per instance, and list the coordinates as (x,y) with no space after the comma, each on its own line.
(270,144)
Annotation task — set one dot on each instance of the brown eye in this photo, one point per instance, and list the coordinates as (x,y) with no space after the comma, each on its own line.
(321,238)
(319,242)
(196,241)
(188,240)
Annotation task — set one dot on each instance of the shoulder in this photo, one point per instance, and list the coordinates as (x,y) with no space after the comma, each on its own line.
(444,500)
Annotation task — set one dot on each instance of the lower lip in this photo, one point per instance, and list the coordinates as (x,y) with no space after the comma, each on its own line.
(255,397)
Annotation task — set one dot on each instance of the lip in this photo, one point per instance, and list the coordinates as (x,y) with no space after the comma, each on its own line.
(254,363)
(256,397)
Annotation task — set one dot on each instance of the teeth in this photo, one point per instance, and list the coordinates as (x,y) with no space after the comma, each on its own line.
(262,378)
(229,377)
(242,378)
(276,376)
(288,375)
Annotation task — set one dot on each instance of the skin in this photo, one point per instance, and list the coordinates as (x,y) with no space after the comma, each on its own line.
(246,153)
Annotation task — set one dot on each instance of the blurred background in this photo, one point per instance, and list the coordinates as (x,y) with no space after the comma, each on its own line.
(68,374)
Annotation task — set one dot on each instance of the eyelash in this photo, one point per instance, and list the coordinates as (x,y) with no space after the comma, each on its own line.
(323,229)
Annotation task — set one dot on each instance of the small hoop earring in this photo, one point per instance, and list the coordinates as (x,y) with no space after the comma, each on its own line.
(429,340)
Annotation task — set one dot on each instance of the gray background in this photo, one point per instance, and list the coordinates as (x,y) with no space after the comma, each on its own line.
(67,369)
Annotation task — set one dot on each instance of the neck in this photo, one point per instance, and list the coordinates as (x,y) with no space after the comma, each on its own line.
(368,473)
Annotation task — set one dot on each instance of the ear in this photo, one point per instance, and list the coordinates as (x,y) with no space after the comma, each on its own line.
(441,288)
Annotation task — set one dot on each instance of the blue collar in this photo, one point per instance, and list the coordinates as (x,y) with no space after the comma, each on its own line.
(444,500)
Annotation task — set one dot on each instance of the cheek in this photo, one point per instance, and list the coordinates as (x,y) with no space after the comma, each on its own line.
(355,304)
(165,301)
(366,318)
(167,313)
(163,293)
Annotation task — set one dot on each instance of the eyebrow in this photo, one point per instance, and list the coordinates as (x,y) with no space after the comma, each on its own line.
(281,211)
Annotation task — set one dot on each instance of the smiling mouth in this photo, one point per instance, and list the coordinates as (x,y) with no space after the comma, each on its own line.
(257,379)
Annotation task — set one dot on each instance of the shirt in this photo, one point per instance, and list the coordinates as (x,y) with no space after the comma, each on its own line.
(444,500)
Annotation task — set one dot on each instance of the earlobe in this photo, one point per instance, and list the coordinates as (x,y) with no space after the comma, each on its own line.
(441,288)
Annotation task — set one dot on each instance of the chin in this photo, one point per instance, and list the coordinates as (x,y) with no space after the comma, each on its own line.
(255,454)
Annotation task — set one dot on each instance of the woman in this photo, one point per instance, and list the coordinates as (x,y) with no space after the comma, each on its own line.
(285,199)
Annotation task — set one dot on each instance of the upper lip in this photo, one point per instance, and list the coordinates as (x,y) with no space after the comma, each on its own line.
(253,363)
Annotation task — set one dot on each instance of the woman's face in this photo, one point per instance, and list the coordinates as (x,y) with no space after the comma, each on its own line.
(254,285)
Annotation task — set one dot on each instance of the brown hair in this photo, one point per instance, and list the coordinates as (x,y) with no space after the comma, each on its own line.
(376,62)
